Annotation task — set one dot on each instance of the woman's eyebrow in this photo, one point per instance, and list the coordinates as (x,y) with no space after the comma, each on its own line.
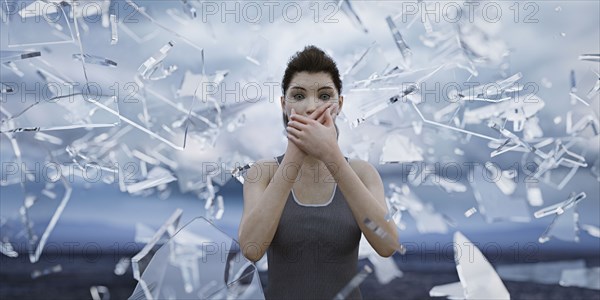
(301,88)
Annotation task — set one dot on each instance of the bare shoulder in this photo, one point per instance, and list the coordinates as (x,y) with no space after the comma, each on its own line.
(364,169)
(262,170)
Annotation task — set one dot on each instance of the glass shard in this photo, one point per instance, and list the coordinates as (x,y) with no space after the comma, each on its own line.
(494,204)
(543,272)
(354,283)
(36,23)
(400,43)
(155,63)
(385,268)
(588,278)
(564,227)
(452,290)
(141,261)
(122,266)
(591,230)
(560,207)
(39,273)
(95,60)
(61,112)
(399,149)
(100,292)
(199,261)
(477,276)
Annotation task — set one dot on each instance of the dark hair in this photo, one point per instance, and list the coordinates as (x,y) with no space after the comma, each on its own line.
(312,60)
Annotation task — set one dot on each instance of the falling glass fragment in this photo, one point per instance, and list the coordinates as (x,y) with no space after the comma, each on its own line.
(476,274)
(353,283)
(39,273)
(95,60)
(154,63)
(588,278)
(100,292)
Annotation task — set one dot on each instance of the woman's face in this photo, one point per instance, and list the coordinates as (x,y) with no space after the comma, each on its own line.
(308,91)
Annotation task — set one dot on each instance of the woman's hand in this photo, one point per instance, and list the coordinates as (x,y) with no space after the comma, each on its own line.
(292,148)
(315,137)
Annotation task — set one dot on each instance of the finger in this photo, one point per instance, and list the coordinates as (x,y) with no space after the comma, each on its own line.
(293,131)
(321,118)
(296,125)
(302,119)
(327,117)
(317,113)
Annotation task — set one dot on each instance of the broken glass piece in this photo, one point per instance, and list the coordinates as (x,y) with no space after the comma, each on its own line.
(192,82)
(199,260)
(534,194)
(493,204)
(114,32)
(590,57)
(95,60)
(353,283)
(591,230)
(156,177)
(381,233)
(37,273)
(505,183)
(47,19)
(44,137)
(236,123)
(546,82)
(543,272)
(7,56)
(575,98)
(6,89)
(211,212)
(513,141)
(588,278)
(564,227)
(142,11)
(426,218)
(189,9)
(476,274)
(583,123)
(36,202)
(452,290)
(6,248)
(143,233)
(122,266)
(378,99)
(399,149)
(154,62)
(346,8)
(385,268)
(400,43)
(69,111)
(144,258)
(240,172)
(258,52)
(414,105)
(99,292)
(560,207)
(470,212)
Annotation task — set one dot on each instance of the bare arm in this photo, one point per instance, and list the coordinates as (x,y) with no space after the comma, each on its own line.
(264,200)
(364,193)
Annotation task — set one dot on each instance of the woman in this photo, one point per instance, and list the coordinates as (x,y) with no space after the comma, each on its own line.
(307,208)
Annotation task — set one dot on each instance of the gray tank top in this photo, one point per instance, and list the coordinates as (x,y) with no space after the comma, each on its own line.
(314,252)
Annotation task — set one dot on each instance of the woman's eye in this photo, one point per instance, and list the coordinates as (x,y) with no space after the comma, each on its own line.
(298,97)
(325,96)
